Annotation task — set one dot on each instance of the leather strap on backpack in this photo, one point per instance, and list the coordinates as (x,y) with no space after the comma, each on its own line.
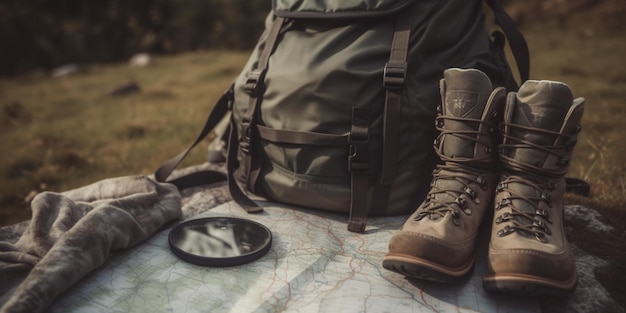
(394,77)
(358,165)
(249,138)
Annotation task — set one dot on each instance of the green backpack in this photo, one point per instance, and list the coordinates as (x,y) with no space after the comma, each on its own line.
(335,108)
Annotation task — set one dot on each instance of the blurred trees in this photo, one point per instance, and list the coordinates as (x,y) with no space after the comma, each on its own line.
(48,33)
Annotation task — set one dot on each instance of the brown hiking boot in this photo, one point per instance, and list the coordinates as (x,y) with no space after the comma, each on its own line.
(528,252)
(437,241)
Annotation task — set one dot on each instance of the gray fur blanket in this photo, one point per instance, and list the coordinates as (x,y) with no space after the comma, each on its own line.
(74,232)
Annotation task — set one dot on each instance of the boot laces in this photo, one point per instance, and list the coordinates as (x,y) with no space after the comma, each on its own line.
(526,214)
(562,150)
(458,172)
(443,200)
(485,129)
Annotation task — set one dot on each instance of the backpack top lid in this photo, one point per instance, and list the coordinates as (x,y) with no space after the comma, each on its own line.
(337,8)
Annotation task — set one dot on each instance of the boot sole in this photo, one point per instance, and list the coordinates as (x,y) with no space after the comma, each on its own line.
(517,284)
(424,270)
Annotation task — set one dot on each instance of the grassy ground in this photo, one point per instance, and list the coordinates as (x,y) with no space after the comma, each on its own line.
(63,133)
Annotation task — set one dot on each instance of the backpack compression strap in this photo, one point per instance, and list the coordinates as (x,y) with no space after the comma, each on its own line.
(248,141)
(394,76)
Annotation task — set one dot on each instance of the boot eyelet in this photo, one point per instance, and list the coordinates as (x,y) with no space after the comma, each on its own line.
(505,201)
(467,212)
(455,218)
(547,198)
(471,192)
(420,216)
(541,237)
(541,227)
(543,214)
(505,231)
(439,122)
(482,181)
(503,218)
(461,202)
(539,224)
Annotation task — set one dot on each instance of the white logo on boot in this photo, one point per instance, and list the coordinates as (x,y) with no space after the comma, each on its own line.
(459,103)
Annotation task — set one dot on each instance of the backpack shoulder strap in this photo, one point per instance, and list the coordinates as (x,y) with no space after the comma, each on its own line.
(218,112)
(518,44)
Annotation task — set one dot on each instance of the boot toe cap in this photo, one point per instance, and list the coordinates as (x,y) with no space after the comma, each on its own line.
(431,249)
(533,267)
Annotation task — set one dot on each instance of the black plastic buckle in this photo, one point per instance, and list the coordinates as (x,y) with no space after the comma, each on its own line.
(394,75)
(358,159)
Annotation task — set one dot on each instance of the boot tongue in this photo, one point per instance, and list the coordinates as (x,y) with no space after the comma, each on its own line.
(466,94)
(540,105)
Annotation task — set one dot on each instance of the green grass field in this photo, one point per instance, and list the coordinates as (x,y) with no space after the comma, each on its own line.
(63,133)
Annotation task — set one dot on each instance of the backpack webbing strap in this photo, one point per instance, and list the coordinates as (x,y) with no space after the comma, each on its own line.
(518,44)
(249,139)
(358,165)
(301,138)
(231,159)
(394,77)
(394,80)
